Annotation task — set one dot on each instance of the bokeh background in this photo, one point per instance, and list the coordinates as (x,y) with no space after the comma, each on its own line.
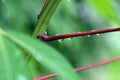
(73,16)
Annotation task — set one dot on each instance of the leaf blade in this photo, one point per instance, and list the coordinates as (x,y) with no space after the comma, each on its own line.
(47,56)
(12,67)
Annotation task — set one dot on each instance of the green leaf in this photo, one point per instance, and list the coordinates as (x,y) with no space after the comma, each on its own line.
(45,54)
(12,63)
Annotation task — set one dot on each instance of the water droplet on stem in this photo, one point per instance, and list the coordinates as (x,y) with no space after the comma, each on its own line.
(88,35)
(60,40)
(97,34)
(93,30)
(69,38)
(45,32)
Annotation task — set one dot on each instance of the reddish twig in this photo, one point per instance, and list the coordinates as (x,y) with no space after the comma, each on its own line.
(83,68)
(46,77)
(98,64)
(43,8)
(63,36)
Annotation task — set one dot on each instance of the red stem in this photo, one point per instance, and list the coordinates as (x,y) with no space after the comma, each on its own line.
(43,8)
(62,36)
(83,68)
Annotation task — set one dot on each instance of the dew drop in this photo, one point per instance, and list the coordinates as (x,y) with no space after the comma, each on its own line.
(60,40)
(57,34)
(88,35)
(69,38)
(93,30)
(79,32)
(45,32)
(97,34)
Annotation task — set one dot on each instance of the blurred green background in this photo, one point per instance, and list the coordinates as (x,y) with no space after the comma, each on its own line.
(73,16)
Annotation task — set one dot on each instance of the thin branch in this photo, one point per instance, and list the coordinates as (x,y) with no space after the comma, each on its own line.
(43,9)
(83,68)
(46,77)
(63,36)
(98,64)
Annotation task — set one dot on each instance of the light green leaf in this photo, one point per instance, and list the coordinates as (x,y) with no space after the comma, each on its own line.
(45,54)
(12,64)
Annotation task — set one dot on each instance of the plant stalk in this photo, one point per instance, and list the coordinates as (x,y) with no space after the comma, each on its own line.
(63,36)
(83,68)
(45,16)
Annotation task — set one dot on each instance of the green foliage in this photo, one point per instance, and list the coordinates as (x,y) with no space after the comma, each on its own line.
(44,54)
(13,65)
(106,7)
(18,19)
